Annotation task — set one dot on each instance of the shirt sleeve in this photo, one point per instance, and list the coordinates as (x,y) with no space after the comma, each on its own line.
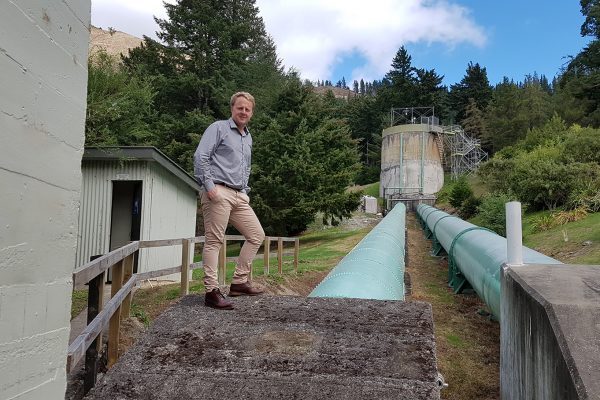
(248,167)
(247,174)
(203,156)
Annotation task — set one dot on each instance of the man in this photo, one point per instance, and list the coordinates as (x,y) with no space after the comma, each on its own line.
(222,167)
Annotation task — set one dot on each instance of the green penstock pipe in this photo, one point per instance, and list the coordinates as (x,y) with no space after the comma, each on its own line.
(475,254)
(374,268)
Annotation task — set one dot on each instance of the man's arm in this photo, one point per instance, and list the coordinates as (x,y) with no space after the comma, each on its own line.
(203,155)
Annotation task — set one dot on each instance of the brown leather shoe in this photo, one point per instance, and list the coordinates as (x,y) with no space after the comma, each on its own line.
(215,299)
(244,289)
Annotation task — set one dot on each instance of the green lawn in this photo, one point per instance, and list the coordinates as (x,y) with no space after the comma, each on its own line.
(320,250)
(574,243)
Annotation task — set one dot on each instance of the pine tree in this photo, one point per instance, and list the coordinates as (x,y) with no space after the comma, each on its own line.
(210,50)
(305,158)
(474,122)
(119,107)
(474,85)
(431,93)
(362,86)
(582,77)
(399,85)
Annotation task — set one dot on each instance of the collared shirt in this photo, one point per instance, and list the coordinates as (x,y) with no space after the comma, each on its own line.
(224,156)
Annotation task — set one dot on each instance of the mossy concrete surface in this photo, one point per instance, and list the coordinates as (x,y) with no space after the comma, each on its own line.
(281,347)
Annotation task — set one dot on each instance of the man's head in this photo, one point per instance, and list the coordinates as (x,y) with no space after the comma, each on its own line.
(242,106)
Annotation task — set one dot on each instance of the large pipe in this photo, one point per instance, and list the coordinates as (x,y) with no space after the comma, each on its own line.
(475,254)
(374,268)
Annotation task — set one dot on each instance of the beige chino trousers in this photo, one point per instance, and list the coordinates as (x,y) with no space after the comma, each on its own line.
(229,206)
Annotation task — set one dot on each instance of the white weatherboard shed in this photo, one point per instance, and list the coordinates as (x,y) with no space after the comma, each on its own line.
(134,193)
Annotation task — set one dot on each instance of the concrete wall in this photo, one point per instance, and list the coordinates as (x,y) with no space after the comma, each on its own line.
(43,83)
(402,149)
(550,332)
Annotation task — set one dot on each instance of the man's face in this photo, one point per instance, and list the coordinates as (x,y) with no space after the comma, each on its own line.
(241,112)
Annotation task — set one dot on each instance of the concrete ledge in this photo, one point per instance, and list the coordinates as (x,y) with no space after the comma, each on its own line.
(281,347)
(550,332)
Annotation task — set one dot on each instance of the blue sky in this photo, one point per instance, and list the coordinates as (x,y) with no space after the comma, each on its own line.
(522,37)
(358,39)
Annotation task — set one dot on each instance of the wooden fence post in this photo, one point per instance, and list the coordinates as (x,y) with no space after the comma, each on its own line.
(186,244)
(267,254)
(127,274)
(115,321)
(223,262)
(95,300)
(280,254)
(296,254)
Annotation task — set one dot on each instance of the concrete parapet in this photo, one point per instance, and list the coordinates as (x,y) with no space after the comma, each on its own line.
(281,347)
(550,332)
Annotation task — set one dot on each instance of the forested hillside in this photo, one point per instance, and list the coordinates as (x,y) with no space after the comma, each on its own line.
(309,147)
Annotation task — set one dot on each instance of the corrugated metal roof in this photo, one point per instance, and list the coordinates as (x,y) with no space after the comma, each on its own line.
(142,153)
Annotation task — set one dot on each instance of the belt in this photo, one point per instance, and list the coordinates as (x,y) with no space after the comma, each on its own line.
(227,186)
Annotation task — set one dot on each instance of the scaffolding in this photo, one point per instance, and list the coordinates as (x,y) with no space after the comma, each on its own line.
(459,153)
(463,153)
(413,115)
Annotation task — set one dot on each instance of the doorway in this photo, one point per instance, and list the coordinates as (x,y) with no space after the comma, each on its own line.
(126,215)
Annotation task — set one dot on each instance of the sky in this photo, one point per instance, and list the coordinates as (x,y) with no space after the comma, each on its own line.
(354,39)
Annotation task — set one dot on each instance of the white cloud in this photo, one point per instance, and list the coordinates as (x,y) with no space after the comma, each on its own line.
(311,35)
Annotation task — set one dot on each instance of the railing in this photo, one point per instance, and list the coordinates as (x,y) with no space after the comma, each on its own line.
(120,262)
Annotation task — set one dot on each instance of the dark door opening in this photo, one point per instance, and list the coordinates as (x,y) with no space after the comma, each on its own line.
(126,215)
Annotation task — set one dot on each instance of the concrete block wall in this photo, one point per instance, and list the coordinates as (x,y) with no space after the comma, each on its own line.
(550,332)
(43,83)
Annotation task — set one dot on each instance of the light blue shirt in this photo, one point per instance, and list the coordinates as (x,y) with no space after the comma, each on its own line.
(224,156)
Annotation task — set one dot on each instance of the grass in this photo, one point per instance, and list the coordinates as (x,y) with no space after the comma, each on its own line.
(467,344)
(372,189)
(78,302)
(573,243)
(138,312)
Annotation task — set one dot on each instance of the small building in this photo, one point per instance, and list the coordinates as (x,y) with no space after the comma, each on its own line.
(134,193)
(369,204)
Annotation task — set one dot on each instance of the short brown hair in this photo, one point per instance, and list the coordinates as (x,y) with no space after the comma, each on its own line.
(245,95)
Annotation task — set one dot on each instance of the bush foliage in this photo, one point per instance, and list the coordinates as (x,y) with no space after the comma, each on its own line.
(553,167)
(460,192)
(492,211)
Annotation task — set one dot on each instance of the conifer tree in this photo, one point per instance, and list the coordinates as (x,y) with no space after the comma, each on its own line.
(474,122)
(474,85)
(399,85)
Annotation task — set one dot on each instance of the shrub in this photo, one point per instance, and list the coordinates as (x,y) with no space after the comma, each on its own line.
(460,192)
(543,223)
(469,207)
(495,173)
(563,217)
(582,145)
(586,197)
(492,212)
(542,180)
